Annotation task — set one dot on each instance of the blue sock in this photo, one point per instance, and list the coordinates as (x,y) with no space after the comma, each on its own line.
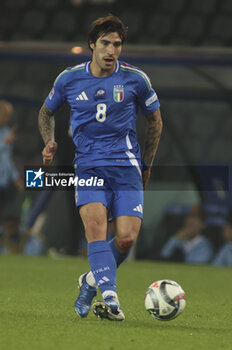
(103,265)
(119,257)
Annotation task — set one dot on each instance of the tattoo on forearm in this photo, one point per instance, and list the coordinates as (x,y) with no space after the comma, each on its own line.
(152,137)
(46,123)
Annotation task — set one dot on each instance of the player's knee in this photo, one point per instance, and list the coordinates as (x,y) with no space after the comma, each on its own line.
(126,239)
(95,224)
(95,228)
(125,244)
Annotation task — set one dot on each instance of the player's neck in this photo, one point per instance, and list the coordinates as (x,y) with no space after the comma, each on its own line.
(97,71)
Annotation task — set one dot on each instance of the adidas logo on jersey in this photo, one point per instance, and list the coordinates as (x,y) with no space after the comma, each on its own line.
(82,96)
(139,208)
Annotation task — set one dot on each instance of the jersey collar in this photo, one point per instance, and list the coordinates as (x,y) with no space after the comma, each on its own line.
(88,63)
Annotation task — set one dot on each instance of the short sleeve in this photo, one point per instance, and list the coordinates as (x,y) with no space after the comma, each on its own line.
(56,97)
(147,97)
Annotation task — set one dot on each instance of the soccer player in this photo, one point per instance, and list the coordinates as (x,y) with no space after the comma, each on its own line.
(104,95)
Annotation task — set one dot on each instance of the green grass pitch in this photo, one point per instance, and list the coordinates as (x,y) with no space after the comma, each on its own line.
(37,297)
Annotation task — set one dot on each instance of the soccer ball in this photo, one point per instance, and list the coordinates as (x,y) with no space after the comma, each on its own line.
(165,300)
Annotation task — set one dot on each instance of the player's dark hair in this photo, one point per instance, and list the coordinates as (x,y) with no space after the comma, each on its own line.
(106,25)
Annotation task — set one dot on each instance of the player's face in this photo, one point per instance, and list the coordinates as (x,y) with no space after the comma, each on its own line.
(106,51)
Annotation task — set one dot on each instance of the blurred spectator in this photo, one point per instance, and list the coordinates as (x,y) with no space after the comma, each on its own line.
(189,244)
(224,256)
(8,173)
(13,241)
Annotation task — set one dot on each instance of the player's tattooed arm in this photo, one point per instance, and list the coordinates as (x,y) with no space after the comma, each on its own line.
(46,123)
(152,137)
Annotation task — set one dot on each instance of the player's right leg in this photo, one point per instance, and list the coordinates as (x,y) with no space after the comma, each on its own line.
(88,290)
(92,203)
(103,265)
(101,259)
(93,216)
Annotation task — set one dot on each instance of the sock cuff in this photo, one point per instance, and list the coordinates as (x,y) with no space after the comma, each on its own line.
(98,247)
(110,293)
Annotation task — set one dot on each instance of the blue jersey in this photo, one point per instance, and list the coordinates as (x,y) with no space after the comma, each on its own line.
(104,112)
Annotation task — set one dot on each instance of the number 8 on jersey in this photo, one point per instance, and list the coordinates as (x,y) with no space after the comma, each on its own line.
(101,112)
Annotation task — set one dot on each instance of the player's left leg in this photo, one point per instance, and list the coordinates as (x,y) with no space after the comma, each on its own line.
(127,230)
(128,211)
(127,208)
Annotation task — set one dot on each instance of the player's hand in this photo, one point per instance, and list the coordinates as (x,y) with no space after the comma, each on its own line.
(146,177)
(49,152)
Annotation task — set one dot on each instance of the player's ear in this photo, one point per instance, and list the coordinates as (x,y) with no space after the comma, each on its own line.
(92,45)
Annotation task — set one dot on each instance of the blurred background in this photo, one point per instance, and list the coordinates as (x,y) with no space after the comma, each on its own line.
(185,48)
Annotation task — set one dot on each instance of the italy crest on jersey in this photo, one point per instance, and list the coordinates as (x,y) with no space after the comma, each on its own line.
(118,93)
